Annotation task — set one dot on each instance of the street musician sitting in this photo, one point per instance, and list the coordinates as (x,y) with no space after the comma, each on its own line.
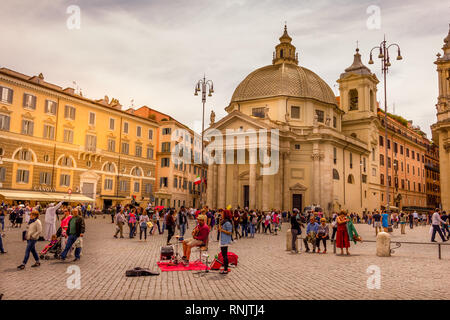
(200,236)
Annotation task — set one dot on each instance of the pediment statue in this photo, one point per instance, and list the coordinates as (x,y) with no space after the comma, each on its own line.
(212,118)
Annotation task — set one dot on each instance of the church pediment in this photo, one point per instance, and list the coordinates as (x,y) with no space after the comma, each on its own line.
(298,187)
(236,120)
(244,175)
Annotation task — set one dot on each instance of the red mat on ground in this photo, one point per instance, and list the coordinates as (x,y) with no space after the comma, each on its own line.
(181,267)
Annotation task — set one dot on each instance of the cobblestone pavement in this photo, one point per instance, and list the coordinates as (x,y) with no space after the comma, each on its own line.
(265,271)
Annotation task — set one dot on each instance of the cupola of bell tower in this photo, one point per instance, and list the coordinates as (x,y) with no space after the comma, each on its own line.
(358,87)
(285,51)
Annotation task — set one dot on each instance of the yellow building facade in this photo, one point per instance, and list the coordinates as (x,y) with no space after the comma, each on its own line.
(175,185)
(54,141)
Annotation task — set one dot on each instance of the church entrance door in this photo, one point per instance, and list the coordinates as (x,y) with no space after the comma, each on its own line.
(297,201)
(246,196)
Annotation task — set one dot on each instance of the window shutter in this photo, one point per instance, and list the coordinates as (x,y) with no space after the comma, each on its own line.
(27,173)
(10,96)
(31,128)
(33,102)
(23,127)
(24,99)
(7,119)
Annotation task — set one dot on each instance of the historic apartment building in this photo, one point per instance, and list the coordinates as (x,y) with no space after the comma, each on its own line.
(432,176)
(175,180)
(54,141)
(407,147)
(441,129)
(331,149)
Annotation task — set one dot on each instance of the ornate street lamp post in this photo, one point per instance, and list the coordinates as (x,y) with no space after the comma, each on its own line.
(202,86)
(385,64)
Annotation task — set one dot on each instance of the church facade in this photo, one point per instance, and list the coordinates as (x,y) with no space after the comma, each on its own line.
(441,129)
(327,149)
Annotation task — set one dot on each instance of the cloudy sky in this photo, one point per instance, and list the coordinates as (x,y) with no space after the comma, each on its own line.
(155,51)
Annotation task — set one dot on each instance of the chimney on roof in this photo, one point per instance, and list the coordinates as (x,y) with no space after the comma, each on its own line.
(69,90)
(115,104)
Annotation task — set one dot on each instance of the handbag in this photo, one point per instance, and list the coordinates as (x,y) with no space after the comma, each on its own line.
(149,224)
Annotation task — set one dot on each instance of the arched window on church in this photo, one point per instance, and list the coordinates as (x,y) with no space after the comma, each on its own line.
(354,135)
(371,101)
(335,174)
(351,179)
(353,98)
(281,53)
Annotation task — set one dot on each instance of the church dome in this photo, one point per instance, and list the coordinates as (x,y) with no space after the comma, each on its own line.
(283,79)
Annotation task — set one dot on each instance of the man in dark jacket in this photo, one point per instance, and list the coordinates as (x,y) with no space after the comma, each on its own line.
(296,224)
(75,230)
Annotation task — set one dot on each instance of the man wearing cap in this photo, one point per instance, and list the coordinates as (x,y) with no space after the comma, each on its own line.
(200,238)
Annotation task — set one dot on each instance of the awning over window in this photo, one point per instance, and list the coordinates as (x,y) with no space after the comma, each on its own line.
(42,196)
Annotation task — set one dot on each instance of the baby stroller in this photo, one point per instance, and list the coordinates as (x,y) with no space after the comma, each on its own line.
(53,247)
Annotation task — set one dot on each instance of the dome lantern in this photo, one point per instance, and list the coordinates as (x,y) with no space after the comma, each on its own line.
(285,51)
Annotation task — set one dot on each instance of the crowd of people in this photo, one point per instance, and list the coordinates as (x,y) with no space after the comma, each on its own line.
(221,225)
(383,221)
(68,235)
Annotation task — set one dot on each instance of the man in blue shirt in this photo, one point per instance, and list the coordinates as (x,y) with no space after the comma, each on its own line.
(311,231)
(384,221)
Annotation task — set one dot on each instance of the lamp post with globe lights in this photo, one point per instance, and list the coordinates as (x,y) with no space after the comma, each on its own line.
(203,86)
(385,64)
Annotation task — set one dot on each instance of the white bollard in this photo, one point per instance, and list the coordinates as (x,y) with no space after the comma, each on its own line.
(383,244)
(288,240)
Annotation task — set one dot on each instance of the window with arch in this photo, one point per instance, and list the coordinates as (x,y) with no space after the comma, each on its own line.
(350,179)
(353,99)
(281,53)
(109,167)
(335,174)
(136,172)
(25,155)
(66,161)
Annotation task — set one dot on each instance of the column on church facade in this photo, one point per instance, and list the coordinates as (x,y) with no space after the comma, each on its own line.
(209,187)
(286,174)
(326,164)
(252,178)
(278,185)
(316,174)
(265,188)
(235,193)
(222,185)
(214,195)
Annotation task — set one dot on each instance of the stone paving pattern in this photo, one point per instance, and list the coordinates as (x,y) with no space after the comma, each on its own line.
(265,271)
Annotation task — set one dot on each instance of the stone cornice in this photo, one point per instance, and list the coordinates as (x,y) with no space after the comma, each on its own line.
(73,98)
